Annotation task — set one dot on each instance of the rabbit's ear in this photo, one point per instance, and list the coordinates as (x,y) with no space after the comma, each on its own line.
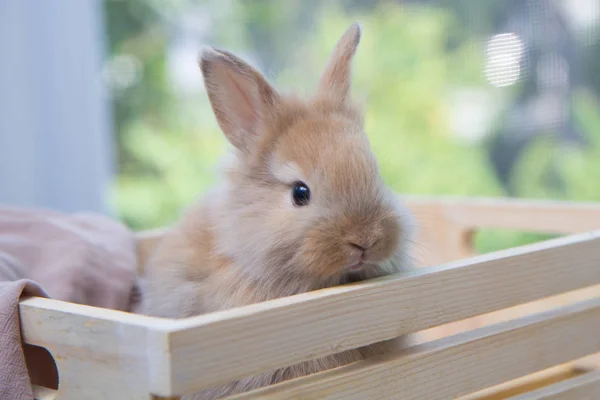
(240,96)
(335,79)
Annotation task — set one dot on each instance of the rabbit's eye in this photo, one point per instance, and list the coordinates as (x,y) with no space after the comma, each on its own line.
(300,194)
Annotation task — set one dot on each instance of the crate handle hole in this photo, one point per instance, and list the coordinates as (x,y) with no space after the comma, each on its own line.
(41,367)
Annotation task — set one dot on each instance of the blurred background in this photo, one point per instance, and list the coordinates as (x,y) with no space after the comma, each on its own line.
(102,105)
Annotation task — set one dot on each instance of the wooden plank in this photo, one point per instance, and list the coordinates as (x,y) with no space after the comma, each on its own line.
(527,383)
(146,241)
(446,223)
(458,365)
(100,354)
(506,314)
(63,309)
(541,216)
(438,238)
(583,387)
(459,217)
(286,331)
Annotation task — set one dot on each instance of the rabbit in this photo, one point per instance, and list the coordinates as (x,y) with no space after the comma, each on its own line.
(301,207)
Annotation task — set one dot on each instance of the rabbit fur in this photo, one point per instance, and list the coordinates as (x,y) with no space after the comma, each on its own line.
(246,241)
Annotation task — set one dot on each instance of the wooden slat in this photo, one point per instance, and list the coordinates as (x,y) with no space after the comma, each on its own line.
(528,383)
(583,387)
(458,365)
(506,314)
(446,225)
(541,216)
(146,241)
(438,238)
(110,347)
(100,354)
(205,350)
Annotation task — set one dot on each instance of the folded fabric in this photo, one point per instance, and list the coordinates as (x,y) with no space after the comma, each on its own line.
(80,258)
(14,378)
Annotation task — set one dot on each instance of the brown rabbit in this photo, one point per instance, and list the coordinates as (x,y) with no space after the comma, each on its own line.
(301,207)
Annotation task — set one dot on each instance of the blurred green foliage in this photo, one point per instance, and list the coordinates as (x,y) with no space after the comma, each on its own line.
(410,60)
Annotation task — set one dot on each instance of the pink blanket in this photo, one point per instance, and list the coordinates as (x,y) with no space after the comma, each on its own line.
(80,258)
(14,378)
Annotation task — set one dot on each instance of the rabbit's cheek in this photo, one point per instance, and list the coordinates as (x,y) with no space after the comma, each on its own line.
(322,256)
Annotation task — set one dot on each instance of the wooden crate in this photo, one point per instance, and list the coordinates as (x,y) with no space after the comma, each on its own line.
(522,323)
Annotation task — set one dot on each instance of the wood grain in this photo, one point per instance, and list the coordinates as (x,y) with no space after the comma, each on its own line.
(458,365)
(100,354)
(541,216)
(109,354)
(584,387)
(290,330)
(527,383)
(446,224)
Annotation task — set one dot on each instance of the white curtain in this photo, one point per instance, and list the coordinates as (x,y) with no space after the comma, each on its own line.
(56,145)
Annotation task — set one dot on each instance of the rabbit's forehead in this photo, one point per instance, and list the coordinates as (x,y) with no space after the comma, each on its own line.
(334,155)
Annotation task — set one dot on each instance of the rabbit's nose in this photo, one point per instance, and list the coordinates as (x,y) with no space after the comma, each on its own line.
(361,246)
